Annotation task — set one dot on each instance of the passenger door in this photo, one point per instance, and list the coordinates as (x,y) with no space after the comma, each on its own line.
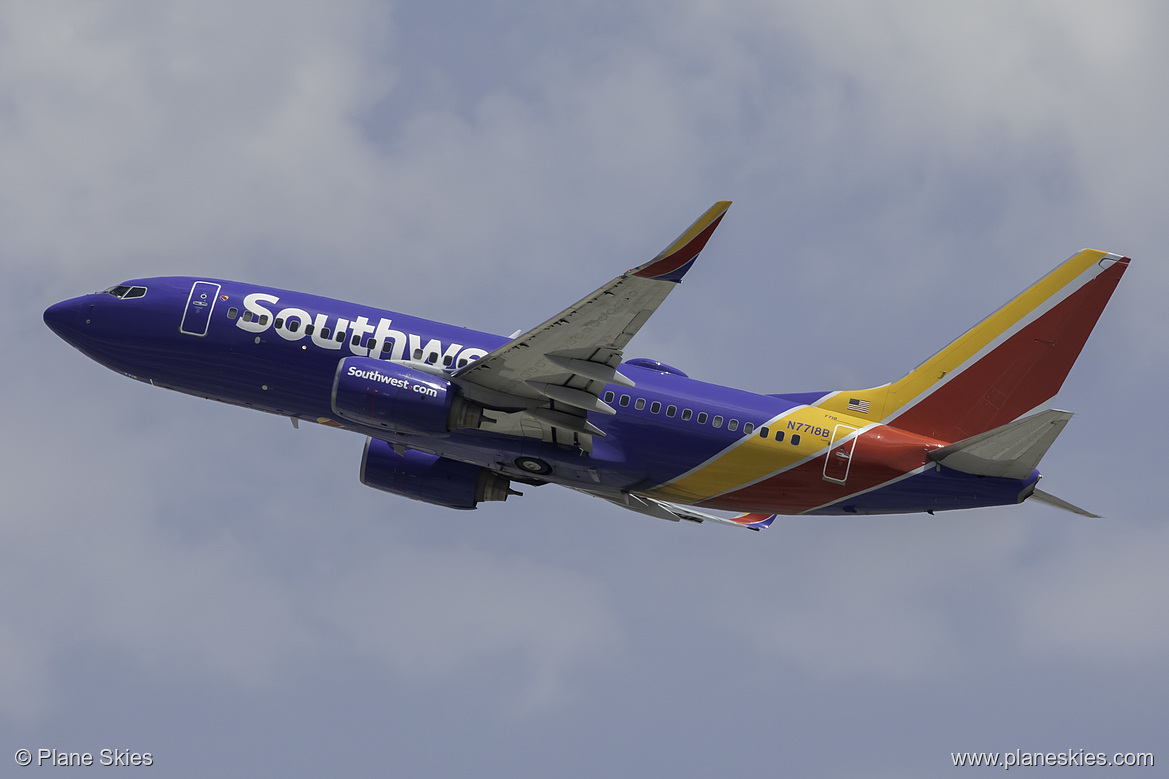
(200,303)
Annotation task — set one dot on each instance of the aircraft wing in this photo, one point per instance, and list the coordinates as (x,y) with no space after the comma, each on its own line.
(643,504)
(547,379)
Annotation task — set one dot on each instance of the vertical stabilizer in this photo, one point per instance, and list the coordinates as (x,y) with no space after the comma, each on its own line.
(1012,362)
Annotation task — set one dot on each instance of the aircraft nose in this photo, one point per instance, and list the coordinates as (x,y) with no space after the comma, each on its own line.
(65,318)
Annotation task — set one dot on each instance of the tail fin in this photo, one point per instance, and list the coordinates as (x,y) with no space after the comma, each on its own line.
(1010,363)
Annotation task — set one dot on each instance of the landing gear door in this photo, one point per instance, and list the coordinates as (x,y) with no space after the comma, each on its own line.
(197,315)
(839,454)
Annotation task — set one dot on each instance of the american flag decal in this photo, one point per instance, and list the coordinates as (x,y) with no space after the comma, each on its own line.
(855,404)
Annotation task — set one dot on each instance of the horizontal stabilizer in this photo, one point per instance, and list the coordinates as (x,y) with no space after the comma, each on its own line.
(1012,451)
(1059,503)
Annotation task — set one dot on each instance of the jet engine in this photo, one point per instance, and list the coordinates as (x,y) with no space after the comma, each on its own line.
(386,394)
(430,478)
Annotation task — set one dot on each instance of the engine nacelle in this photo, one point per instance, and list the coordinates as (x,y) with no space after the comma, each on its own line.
(430,478)
(385,394)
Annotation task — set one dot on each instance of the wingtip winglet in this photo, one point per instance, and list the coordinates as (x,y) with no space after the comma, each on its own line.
(673,261)
(754,521)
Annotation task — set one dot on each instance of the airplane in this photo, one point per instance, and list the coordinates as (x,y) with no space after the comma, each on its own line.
(456,417)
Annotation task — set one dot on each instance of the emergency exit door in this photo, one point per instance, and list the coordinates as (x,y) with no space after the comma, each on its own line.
(839,454)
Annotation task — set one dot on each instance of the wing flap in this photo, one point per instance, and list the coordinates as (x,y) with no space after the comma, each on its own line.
(598,371)
(566,421)
(576,398)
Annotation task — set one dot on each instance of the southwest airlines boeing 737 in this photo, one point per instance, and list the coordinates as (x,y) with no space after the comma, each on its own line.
(454,417)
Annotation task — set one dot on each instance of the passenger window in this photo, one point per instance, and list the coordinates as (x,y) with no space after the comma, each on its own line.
(355,340)
(624,400)
(796,439)
(247,316)
(462,362)
(655,407)
(749,428)
(232,313)
(340,337)
(326,333)
(702,417)
(263,319)
(279,323)
(387,346)
(417,354)
(446,361)
(293,325)
(371,344)
(734,425)
(778,435)
(717,422)
(432,358)
(640,404)
(609,396)
(308,329)
(671,411)
(764,432)
(686,414)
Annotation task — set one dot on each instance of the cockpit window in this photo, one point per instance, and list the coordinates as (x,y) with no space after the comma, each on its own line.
(123,292)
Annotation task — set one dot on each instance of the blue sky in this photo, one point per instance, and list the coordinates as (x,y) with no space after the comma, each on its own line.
(214,587)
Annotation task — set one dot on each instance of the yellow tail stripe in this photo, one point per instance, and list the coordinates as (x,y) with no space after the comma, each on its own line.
(754,458)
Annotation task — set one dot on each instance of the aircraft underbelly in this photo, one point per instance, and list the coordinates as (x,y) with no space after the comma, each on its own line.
(924,488)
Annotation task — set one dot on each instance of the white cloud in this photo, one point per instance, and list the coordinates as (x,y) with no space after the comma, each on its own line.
(182,129)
